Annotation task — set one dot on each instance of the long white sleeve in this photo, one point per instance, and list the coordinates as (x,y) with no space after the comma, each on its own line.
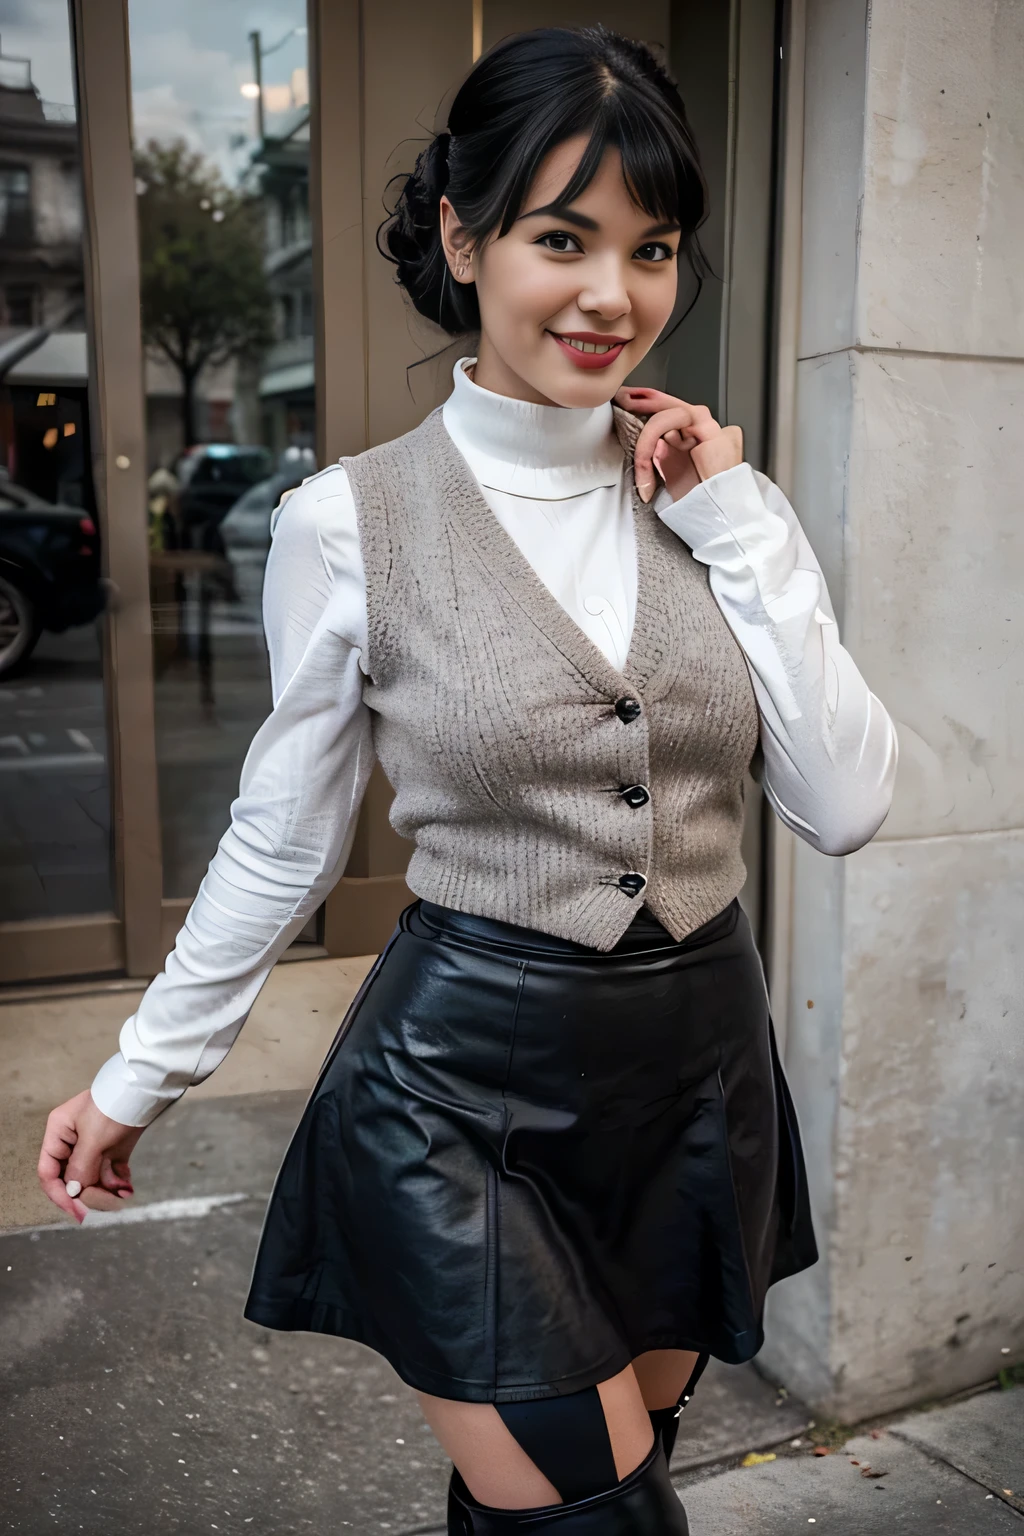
(829,746)
(292,824)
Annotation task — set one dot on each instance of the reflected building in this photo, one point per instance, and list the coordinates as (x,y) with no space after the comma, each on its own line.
(40,203)
(43,363)
(286,384)
(55,822)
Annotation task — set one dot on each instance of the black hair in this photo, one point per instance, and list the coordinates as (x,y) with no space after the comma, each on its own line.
(524,97)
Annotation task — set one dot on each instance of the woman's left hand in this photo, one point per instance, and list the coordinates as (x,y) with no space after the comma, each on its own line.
(682,443)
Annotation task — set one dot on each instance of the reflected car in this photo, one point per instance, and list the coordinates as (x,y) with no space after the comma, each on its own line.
(211,478)
(245,532)
(247,525)
(49,571)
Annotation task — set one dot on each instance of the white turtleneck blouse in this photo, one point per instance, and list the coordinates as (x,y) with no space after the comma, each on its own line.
(556,480)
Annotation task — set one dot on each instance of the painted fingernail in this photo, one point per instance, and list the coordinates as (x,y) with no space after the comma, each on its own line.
(73,1188)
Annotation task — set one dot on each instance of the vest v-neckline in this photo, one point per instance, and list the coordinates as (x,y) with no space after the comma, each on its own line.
(503,558)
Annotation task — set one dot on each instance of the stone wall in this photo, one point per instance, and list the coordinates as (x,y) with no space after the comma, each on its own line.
(907,995)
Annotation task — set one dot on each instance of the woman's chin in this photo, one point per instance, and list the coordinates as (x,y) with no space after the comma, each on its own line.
(584,392)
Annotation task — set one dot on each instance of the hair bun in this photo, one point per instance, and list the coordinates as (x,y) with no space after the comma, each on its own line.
(412,239)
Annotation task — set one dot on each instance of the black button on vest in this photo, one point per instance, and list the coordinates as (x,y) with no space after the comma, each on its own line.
(627,709)
(632,884)
(636,795)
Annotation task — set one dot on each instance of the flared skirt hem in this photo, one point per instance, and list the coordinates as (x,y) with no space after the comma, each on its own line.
(335,1322)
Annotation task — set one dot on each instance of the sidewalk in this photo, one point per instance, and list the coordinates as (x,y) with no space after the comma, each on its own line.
(954,1471)
(135,1398)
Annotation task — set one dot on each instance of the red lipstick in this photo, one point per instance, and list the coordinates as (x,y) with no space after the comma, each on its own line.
(590,359)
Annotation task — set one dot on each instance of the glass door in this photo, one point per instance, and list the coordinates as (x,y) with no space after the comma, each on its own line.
(221,142)
(157,396)
(57,875)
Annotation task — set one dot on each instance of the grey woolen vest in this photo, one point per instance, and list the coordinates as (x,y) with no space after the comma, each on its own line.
(495,720)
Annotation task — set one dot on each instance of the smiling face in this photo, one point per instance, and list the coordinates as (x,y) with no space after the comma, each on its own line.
(572,297)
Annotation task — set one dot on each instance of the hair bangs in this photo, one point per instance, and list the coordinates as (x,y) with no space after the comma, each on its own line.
(659,175)
(658,169)
(545,136)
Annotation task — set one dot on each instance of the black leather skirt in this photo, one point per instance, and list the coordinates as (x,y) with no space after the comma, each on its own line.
(526,1161)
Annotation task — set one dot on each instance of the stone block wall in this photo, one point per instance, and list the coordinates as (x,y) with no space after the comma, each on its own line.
(904,1035)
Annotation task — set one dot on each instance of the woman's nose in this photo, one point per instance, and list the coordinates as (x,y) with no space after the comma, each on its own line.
(606,293)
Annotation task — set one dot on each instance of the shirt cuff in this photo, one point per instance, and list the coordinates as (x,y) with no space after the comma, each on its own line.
(704,513)
(117,1095)
(735,521)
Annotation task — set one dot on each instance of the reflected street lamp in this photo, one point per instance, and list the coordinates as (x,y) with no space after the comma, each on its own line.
(253,89)
(257,94)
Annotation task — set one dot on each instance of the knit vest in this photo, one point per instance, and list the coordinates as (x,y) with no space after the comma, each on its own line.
(542,786)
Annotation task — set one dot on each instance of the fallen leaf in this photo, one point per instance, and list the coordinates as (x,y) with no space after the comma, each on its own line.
(821,1450)
(1008,1492)
(854,1462)
(876,1434)
(756,1459)
(867,1472)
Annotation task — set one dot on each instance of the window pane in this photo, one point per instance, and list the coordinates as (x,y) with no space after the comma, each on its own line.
(55,848)
(222,176)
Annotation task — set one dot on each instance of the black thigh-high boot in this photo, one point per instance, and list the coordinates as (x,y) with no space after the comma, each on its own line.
(665,1421)
(643,1504)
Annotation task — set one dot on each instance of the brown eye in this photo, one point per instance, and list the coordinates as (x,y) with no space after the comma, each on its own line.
(561,241)
(655,251)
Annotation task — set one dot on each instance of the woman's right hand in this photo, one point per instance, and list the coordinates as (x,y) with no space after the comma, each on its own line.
(82,1143)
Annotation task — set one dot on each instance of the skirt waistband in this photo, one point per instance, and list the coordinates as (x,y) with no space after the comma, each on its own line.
(645,933)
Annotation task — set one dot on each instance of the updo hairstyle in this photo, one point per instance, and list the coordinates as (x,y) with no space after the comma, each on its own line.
(524,97)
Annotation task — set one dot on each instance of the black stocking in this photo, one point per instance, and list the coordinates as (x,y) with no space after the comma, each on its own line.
(665,1421)
(567,1438)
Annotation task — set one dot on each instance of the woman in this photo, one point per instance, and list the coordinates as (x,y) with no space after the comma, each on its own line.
(550,1163)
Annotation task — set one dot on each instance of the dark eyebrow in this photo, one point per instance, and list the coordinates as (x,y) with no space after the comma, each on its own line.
(560,211)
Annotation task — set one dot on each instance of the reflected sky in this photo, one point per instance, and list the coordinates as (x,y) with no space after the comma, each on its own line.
(190,60)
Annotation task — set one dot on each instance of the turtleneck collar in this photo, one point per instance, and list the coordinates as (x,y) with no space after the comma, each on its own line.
(547,452)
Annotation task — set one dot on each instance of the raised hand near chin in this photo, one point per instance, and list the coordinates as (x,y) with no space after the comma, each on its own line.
(682,443)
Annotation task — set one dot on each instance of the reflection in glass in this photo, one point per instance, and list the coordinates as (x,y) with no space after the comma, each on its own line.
(221,122)
(55,850)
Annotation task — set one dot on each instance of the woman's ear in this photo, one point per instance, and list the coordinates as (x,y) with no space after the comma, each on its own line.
(453,241)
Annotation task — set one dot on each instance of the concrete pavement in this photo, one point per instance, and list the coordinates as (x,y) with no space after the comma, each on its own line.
(52,1044)
(134,1397)
(870,1487)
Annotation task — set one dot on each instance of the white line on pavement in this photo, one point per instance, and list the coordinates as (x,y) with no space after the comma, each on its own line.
(159,1210)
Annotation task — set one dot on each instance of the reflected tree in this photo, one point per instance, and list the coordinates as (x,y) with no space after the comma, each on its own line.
(204,292)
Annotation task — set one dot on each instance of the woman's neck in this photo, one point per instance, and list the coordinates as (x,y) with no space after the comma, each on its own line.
(493,373)
(577,444)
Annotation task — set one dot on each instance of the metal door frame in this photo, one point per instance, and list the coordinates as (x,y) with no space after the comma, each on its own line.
(129,938)
(759,334)
(779,841)
(758,360)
